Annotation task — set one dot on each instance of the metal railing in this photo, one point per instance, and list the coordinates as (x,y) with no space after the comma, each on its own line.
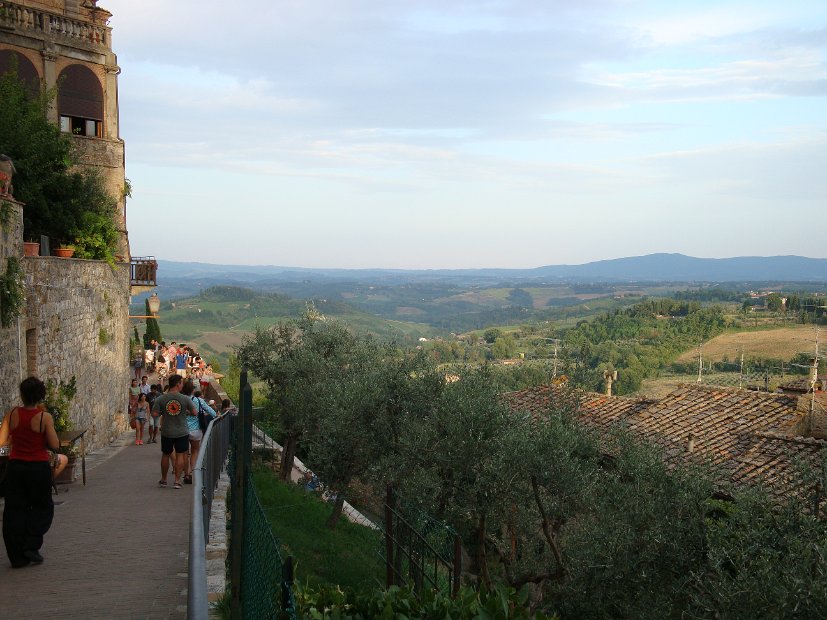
(143,271)
(205,475)
(420,552)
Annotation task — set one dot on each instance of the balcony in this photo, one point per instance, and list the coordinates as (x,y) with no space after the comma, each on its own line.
(143,274)
(74,31)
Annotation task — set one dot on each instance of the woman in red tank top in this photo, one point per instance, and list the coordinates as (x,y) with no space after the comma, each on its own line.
(29,509)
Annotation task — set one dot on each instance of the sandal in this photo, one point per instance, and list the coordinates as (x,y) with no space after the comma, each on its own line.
(162,483)
(188,479)
(177,485)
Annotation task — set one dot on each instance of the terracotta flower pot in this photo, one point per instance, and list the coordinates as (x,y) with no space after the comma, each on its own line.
(31,248)
(64,252)
(68,474)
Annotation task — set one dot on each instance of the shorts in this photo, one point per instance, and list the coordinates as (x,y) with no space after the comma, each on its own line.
(180,444)
(155,422)
(140,420)
(182,372)
(196,435)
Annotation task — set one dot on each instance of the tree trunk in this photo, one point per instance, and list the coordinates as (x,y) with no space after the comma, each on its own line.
(333,519)
(287,456)
(482,559)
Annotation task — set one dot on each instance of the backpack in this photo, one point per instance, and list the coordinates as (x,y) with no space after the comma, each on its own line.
(203,418)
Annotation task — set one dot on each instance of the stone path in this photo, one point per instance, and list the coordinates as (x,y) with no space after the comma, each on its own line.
(117,547)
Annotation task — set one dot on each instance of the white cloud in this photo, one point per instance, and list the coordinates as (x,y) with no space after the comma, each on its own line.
(468,115)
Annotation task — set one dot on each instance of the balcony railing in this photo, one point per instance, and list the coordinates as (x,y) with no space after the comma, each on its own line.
(13,15)
(143,271)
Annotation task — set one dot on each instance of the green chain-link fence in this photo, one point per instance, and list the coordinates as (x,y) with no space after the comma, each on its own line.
(262,583)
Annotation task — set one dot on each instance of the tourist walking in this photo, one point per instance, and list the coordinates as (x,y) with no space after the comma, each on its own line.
(154,419)
(175,409)
(134,392)
(28,510)
(196,425)
(138,364)
(181,359)
(141,413)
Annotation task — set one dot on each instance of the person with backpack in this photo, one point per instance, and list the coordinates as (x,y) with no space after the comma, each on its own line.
(197,425)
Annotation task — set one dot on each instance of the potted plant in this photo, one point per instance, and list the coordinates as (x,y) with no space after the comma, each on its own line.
(68,473)
(65,251)
(31,248)
(59,396)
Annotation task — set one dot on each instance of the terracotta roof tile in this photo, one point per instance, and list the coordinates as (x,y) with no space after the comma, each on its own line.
(741,433)
(775,460)
(595,410)
(723,421)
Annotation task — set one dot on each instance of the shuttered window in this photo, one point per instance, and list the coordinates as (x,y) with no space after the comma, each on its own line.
(80,93)
(11,60)
(80,101)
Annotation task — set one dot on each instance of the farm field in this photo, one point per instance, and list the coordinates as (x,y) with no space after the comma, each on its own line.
(782,342)
(659,387)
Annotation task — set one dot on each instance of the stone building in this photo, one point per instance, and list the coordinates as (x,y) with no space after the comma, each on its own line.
(67,44)
(74,322)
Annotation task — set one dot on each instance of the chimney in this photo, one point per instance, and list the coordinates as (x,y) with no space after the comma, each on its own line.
(690,445)
(609,377)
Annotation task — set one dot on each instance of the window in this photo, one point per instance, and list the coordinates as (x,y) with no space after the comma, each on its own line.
(81,126)
(80,102)
(11,60)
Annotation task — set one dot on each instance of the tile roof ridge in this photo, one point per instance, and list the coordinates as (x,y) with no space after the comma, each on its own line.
(705,387)
(812,441)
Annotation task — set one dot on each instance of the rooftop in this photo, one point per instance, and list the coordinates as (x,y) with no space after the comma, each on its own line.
(748,437)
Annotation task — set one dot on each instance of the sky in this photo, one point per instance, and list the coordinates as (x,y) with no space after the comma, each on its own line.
(424,134)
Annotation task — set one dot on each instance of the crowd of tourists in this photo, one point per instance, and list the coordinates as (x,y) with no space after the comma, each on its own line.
(175,406)
(173,359)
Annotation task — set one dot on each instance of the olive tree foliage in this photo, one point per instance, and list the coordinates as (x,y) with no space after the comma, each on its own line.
(296,359)
(341,396)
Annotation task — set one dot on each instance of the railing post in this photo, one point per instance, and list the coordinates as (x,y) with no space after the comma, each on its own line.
(239,497)
(389,537)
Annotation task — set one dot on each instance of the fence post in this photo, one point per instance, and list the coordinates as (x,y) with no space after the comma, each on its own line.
(286,583)
(389,537)
(239,496)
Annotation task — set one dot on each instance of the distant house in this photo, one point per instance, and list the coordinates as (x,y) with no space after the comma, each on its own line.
(747,437)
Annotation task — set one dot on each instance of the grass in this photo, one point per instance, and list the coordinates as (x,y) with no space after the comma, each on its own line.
(347,556)
(782,342)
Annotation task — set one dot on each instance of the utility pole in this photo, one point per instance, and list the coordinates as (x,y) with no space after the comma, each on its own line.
(700,360)
(741,371)
(554,371)
(813,377)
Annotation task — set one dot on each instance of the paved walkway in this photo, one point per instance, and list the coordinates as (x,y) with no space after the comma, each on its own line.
(117,547)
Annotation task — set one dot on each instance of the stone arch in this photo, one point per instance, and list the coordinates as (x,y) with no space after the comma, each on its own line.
(80,101)
(11,60)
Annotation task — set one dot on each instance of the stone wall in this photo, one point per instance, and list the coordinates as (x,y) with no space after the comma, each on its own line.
(77,325)
(11,244)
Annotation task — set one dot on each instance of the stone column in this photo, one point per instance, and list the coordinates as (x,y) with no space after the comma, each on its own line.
(111,128)
(50,78)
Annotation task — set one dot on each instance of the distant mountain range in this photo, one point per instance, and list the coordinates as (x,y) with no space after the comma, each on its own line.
(649,268)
